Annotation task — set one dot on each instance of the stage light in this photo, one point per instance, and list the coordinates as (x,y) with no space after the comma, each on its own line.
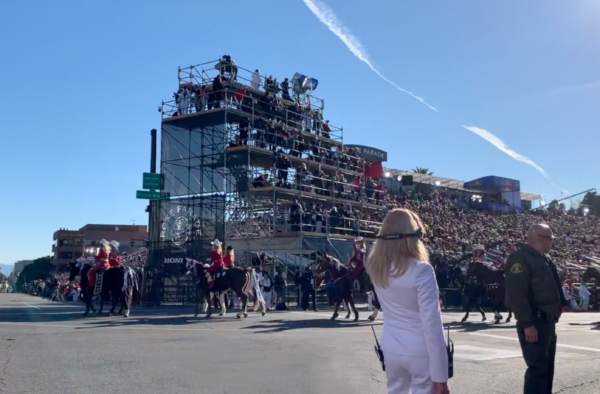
(387,174)
(437,183)
(586,210)
(399,178)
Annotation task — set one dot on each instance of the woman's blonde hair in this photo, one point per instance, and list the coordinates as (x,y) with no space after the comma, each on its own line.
(390,257)
(107,249)
(217,248)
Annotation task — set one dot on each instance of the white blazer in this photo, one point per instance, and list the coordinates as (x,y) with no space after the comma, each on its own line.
(412,321)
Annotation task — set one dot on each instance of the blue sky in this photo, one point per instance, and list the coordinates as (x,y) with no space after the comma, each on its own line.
(80,83)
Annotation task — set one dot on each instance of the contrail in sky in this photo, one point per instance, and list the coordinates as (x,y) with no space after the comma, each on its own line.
(329,19)
(498,143)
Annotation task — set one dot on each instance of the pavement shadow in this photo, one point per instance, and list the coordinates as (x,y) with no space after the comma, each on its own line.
(478,326)
(281,325)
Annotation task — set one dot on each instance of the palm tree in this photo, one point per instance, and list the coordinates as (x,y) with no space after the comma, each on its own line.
(419,170)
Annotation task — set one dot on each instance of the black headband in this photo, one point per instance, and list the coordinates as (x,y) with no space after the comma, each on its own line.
(417,234)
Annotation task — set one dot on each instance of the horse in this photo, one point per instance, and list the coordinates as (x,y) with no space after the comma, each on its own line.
(117,284)
(492,281)
(343,281)
(241,281)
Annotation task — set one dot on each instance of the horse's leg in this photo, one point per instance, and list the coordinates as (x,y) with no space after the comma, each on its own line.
(351,302)
(467,309)
(347,305)
(244,299)
(209,296)
(509,315)
(338,301)
(480,309)
(198,296)
(222,302)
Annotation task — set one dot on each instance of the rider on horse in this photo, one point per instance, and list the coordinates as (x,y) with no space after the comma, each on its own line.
(113,258)
(216,257)
(358,261)
(102,262)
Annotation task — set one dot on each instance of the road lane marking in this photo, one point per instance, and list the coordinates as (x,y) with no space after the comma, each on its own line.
(32,306)
(591,349)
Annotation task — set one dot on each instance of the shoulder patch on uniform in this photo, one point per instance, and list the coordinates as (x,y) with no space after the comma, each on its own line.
(517,268)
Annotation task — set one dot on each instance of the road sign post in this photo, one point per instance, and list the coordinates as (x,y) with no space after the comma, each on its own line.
(152,181)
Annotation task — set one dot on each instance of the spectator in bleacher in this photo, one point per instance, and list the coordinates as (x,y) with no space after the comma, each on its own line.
(261,180)
(334,220)
(296,213)
(283,164)
(285,90)
(326,129)
(369,189)
(256,80)
(318,180)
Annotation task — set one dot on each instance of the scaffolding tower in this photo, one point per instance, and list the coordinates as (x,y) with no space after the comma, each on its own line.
(239,156)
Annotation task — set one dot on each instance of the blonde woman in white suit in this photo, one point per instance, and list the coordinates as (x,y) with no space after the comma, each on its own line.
(412,341)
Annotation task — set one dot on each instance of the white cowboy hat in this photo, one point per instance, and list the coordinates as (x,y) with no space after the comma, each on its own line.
(114,244)
(359,239)
(104,242)
(216,242)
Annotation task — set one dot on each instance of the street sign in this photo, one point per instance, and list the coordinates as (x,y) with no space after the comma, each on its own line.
(152,181)
(146,195)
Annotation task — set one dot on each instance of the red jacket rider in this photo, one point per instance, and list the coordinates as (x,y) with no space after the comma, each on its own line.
(113,258)
(101,263)
(216,256)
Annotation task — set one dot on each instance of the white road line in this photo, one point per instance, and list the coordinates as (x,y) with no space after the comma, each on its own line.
(32,306)
(591,349)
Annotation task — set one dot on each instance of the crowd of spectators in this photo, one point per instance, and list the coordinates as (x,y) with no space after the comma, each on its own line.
(453,231)
(58,287)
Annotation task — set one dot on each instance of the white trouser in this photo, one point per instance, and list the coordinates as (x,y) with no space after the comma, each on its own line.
(267,297)
(585,302)
(406,373)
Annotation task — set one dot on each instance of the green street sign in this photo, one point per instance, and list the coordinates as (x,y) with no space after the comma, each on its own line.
(152,181)
(146,195)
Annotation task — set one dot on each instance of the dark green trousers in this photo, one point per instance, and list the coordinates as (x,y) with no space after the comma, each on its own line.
(539,357)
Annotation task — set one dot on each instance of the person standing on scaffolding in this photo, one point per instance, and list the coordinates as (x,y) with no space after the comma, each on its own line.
(357,261)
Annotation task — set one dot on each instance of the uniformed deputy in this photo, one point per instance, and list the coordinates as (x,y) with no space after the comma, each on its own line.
(534,294)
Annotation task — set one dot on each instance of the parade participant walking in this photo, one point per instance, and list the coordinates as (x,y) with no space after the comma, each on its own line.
(412,341)
(533,292)
(229,259)
(113,258)
(102,262)
(358,261)
(266,287)
(216,257)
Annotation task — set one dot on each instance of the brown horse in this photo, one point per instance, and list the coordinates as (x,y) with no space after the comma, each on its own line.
(493,282)
(341,277)
(241,281)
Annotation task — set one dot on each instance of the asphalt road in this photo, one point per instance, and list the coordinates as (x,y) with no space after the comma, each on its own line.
(49,348)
